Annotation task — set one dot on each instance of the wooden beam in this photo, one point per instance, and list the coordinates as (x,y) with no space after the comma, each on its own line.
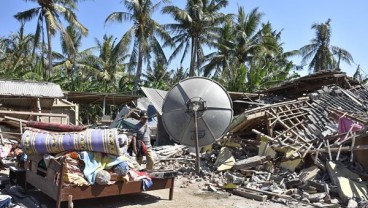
(263,135)
(250,195)
(343,149)
(340,113)
(31,113)
(15,119)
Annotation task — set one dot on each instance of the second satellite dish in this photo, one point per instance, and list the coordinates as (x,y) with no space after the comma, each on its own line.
(197,97)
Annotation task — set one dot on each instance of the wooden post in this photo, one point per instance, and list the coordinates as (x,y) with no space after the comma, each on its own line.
(171,193)
(198,165)
(352,148)
(104,106)
(1,138)
(70,201)
(319,147)
(38,108)
(328,148)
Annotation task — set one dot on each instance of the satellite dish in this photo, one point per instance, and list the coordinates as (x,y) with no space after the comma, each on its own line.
(200,98)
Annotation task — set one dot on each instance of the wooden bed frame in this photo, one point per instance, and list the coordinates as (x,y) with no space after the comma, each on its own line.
(52,186)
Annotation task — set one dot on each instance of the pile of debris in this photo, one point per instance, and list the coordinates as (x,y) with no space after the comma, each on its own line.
(309,150)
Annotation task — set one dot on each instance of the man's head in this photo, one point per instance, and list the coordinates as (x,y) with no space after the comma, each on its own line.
(143,115)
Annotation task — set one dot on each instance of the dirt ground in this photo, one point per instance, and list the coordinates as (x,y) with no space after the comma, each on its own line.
(192,195)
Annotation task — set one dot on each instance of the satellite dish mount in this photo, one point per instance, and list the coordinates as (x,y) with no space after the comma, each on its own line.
(196,106)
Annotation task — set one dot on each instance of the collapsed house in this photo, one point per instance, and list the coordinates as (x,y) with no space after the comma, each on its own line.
(319,128)
(304,141)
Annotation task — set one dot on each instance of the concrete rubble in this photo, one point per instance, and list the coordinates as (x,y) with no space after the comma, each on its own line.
(296,150)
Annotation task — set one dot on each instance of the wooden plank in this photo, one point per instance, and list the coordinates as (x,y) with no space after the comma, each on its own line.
(42,184)
(340,113)
(292,131)
(263,135)
(15,119)
(31,113)
(249,162)
(119,188)
(250,195)
(343,149)
(54,165)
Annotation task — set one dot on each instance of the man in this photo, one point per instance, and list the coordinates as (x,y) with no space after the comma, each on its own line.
(143,133)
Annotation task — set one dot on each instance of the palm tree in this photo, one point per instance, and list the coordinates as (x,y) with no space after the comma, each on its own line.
(249,54)
(158,77)
(144,31)
(15,58)
(221,60)
(197,25)
(49,12)
(108,65)
(321,52)
(69,57)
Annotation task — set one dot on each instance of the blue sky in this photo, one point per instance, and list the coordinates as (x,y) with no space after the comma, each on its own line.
(294,17)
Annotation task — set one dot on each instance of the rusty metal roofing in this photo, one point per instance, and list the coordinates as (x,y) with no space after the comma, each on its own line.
(297,87)
(156,97)
(18,88)
(95,98)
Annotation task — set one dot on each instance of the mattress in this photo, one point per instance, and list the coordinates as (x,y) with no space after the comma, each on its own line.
(37,141)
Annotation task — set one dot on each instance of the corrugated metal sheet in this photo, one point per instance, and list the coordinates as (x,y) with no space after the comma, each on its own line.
(156,97)
(94,98)
(12,88)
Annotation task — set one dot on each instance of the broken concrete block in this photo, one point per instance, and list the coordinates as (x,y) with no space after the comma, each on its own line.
(352,204)
(269,152)
(347,182)
(338,170)
(234,179)
(211,188)
(230,186)
(349,189)
(291,164)
(293,183)
(249,162)
(308,174)
(316,197)
(225,160)
(319,186)
(291,154)
(227,142)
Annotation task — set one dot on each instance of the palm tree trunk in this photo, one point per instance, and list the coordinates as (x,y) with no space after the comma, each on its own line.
(192,58)
(139,70)
(49,47)
(338,62)
(74,72)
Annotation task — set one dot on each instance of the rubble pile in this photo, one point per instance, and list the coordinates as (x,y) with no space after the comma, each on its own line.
(310,150)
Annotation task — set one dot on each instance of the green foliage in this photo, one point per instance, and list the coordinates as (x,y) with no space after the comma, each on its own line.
(321,52)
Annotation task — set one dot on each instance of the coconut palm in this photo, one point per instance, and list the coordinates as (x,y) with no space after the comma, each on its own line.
(48,13)
(145,32)
(108,65)
(158,77)
(248,49)
(15,58)
(219,61)
(195,27)
(68,60)
(321,52)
